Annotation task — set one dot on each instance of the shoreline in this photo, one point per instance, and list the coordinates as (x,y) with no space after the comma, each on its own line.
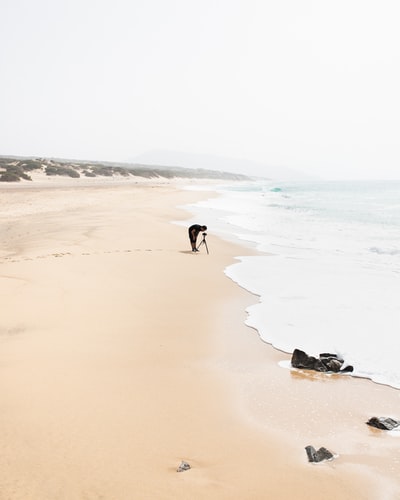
(247,242)
(107,388)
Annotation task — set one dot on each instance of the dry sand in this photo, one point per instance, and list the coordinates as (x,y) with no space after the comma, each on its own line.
(122,353)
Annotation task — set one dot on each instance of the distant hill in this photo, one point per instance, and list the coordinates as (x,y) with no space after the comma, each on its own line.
(240,166)
(14,169)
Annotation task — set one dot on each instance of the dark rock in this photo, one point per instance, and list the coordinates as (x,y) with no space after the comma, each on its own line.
(347,369)
(318,456)
(183,466)
(320,366)
(302,360)
(386,424)
(329,355)
(326,362)
(332,364)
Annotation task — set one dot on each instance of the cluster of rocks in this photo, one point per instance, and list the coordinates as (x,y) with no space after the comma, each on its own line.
(323,454)
(326,362)
(384,423)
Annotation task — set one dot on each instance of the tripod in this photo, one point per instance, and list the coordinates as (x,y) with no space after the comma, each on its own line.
(203,242)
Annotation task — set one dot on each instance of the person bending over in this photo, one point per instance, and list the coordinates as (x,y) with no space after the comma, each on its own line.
(193,233)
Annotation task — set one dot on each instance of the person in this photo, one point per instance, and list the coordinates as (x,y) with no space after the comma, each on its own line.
(194,231)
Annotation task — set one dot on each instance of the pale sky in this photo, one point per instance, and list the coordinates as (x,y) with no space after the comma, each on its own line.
(310,85)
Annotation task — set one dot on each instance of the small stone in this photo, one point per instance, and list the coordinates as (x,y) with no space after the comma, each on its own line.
(318,456)
(387,424)
(183,466)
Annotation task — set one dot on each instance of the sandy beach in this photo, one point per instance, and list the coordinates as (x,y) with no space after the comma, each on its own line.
(123,353)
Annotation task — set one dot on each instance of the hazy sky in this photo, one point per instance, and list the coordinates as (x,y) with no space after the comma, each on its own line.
(312,85)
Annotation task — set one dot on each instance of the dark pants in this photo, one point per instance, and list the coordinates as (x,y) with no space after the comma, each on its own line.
(193,237)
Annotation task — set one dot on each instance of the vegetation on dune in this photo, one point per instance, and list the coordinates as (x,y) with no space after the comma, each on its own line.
(88,173)
(58,170)
(13,173)
(9,177)
(30,165)
(14,169)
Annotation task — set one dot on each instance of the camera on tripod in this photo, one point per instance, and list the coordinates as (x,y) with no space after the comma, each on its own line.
(203,242)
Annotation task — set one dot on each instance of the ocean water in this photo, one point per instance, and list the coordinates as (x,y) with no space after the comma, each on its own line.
(330,276)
